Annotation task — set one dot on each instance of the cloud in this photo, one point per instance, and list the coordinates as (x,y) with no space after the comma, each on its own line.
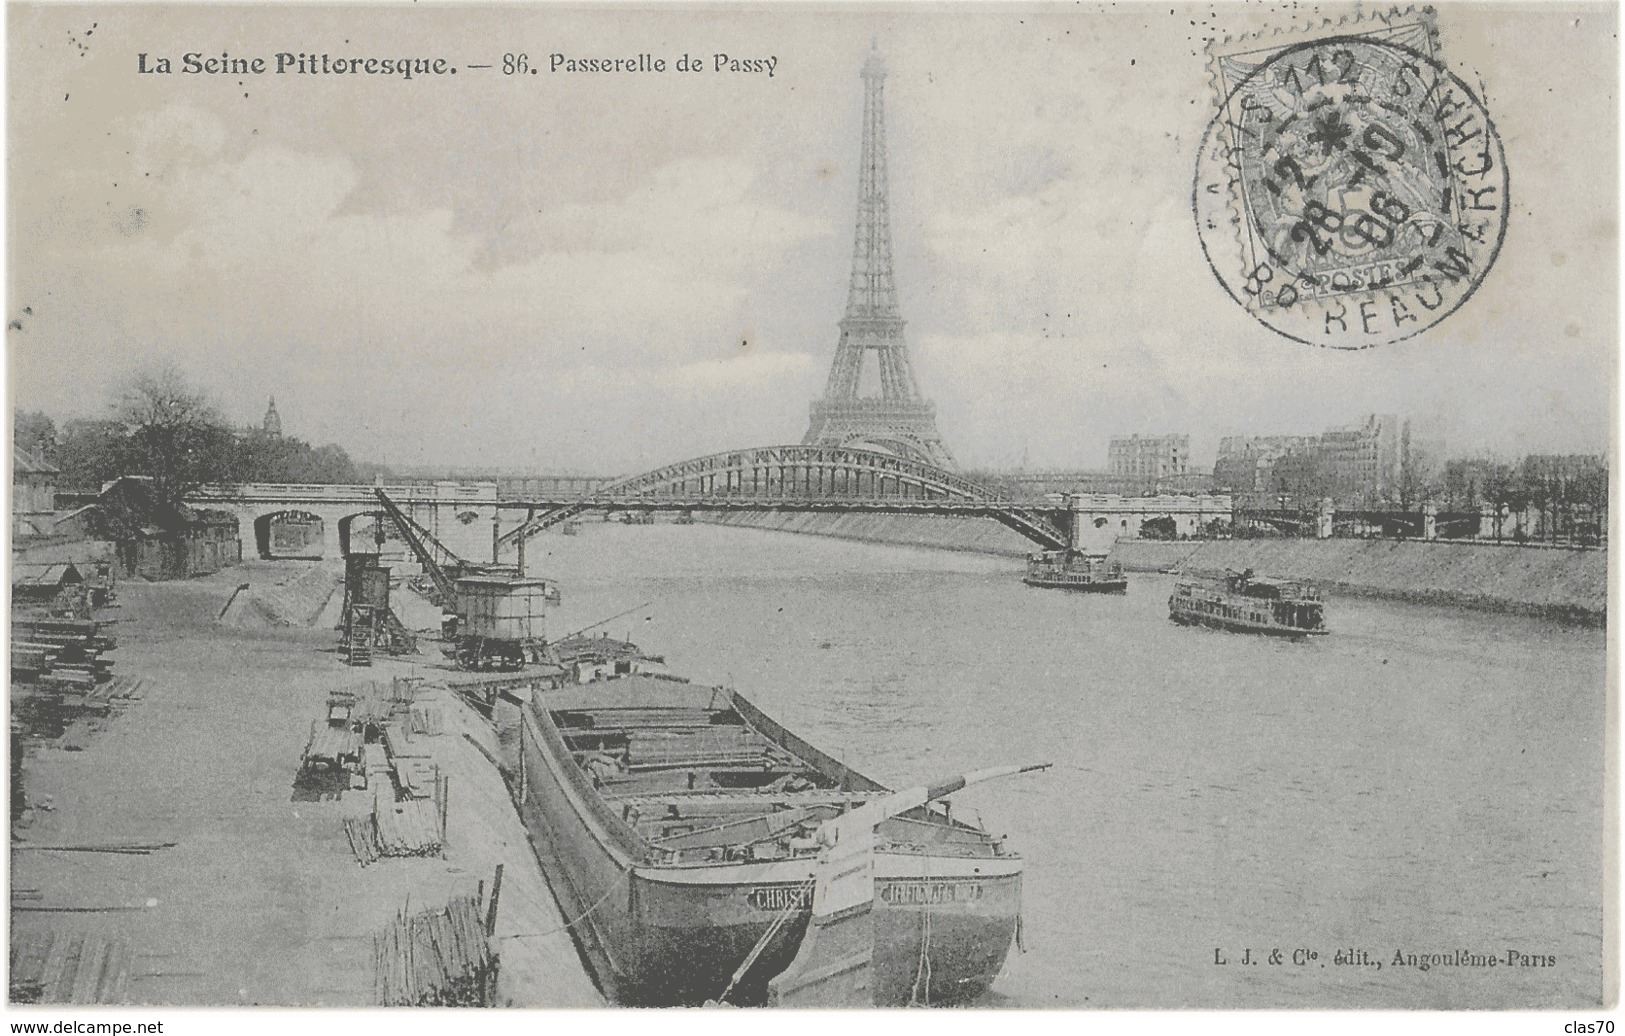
(255,266)
(524,276)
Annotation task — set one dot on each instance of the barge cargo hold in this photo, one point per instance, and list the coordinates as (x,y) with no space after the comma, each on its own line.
(683,830)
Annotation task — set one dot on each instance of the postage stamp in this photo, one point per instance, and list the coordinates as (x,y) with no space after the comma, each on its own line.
(1351,191)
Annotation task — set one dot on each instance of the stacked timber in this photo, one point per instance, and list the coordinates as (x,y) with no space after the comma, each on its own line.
(332,745)
(369,709)
(403,690)
(333,757)
(410,827)
(408,816)
(397,739)
(102,699)
(363,835)
(375,765)
(116,848)
(436,958)
(63,651)
(51,709)
(417,777)
(426,719)
(54,967)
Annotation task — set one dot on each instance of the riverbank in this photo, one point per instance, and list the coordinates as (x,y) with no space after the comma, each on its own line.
(253,893)
(1568,585)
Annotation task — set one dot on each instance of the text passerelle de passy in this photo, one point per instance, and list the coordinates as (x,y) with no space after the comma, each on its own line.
(299,63)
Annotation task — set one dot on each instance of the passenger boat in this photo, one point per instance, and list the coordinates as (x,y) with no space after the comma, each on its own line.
(1247,603)
(1074,570)
(683,832)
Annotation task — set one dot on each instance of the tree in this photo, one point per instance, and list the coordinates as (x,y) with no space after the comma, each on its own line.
(163,428)
(264,458)
(32,431)
(1590,492)
(174,435)
(91,453)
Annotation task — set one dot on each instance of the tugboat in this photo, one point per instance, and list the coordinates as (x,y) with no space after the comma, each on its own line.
(1074,570)
(1246,603)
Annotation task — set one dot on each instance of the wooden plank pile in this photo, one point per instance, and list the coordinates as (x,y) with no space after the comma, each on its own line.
(369,708)
(91,708)
(117,848)
(71,713)
(102,699)
(60,650)
(411,827)
(666,749)
(331,760)
(437,958)
(427,720)
(375,764)
(363,836)
(332,745)
(417,777)
(403,690)
(415,825)
(54,967)
(398,741)
(334,759)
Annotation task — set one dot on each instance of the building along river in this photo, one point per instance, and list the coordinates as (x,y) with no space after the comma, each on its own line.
(1424,780)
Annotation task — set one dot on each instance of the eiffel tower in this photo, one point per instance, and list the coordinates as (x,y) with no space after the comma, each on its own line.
(898,420)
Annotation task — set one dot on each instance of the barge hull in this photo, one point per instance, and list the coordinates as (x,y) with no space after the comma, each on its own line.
(674,935)
(1214,622)
(1103,586)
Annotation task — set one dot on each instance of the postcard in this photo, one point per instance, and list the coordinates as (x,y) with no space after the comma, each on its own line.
(1017,506)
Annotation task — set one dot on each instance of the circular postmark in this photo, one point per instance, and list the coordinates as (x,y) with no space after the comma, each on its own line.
(1350,192)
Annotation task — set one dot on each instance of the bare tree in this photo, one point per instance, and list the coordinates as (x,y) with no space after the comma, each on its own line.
(175,435)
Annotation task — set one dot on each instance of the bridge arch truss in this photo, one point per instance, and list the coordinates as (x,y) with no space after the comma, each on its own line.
(801,478)
(821,472)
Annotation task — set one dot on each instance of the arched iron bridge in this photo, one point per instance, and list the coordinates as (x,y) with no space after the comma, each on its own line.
(834,479)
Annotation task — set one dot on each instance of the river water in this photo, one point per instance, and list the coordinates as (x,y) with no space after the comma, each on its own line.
(1421,782)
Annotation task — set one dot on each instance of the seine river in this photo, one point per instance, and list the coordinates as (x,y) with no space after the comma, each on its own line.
(1424,781)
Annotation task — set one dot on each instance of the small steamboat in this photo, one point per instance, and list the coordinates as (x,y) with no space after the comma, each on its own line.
(1074,570)
(1246,603)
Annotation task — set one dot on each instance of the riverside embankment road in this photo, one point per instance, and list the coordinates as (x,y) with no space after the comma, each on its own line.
(260,900)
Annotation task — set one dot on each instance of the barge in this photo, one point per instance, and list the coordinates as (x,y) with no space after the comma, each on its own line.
(688,835)
(1245,603)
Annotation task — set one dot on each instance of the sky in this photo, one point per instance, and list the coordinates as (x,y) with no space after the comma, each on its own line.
(604,273)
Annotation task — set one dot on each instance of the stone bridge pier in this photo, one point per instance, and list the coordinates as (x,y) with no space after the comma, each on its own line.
(1099,519)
